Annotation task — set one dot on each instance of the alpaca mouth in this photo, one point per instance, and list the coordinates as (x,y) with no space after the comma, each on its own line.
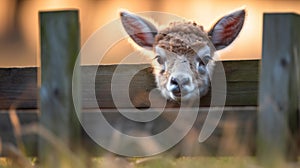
(184,95)
(179,95)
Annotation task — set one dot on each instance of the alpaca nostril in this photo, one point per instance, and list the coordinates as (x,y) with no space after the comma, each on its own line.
(174,81)
(175,86)
(185,81)
(176,91)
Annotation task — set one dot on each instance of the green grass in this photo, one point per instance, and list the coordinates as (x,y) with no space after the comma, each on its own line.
(164,162)
(182,162)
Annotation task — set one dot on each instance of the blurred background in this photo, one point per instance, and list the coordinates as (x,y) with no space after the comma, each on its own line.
(19,35)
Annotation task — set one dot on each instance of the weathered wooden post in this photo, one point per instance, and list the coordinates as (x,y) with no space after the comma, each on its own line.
(60,45)
(278,118)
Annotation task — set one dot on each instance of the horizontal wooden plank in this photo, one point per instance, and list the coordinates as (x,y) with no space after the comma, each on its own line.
(18,86)
(241,76)
(234,135)
(242,70)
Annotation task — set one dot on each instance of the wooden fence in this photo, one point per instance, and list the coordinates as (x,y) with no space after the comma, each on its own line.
(261,109)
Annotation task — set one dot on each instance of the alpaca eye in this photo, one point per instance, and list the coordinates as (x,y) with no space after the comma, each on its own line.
(161,62)
(204,60)
(159,59)
(201,64)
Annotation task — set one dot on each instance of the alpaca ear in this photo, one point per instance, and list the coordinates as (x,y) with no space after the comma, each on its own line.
(227,29)
(141,31)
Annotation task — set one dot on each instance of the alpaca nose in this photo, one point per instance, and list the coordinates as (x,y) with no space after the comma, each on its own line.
(175,86)
(178,84)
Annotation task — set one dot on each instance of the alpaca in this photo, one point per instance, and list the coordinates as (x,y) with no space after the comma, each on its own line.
(185,53)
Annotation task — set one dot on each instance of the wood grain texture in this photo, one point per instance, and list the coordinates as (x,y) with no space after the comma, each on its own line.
(241,76)
(60,41)
(18,86)
(279,89)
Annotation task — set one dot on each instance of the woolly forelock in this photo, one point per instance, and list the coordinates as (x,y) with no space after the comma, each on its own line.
(182,38)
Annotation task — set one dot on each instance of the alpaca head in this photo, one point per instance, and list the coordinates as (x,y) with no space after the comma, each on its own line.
(184,52)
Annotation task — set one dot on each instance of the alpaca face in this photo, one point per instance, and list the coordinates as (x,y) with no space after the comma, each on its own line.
(184,52)
(183,76)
